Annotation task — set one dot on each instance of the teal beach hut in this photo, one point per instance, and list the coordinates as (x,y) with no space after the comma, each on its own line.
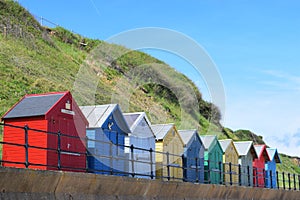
(213,157)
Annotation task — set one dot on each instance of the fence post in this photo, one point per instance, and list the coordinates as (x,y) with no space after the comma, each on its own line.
(294,177)
(151,163)
(208,172)
(86,154)
(230,173)
(220,169)
(289,178)
(277,180)
(41,21)
(59,150)
(299,181)
(197,170)
(248,174)
(111,159)
(240,175)
(184,178)
(4,31)
(21,32)
(271,179)
(132,160)
(168,166)
(264,177)
(256,177)
(283,180)
(26,128)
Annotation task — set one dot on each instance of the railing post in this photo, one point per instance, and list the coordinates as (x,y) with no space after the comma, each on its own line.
(184,168)
(58,150)
(132,160)
(197,170)
(264,177)
(256,177)
(168,166)
(230,173)
(289,179)
(208,172)
(294,177)
(240,175)
(26,128)
(220,171)
(271,179)
(151,163)
(277,180)
(283,180)
(86,154)
(111,157)
(299,181)
(248,174)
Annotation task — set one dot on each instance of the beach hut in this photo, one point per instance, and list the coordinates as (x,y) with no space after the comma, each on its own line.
(247,154)
(270,168)
(142,138)
(230,162)
(50,112)
(169,150)
(106,136)
(213,157)
(193,156)
(259,165)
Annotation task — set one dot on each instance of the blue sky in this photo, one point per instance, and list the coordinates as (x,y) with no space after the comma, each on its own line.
(255,45)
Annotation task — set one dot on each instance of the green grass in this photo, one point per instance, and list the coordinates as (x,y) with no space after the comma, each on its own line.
(288,165)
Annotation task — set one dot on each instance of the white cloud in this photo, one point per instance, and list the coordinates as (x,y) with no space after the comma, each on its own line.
(286,143)
(275,116)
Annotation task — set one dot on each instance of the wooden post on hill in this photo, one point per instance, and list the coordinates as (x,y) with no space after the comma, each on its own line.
(4,31)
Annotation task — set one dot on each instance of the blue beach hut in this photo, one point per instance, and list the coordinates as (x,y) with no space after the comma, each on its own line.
(270,168)
(106,136)
(141,159)
(193,156)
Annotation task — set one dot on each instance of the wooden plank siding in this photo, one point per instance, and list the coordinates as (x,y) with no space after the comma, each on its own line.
(172,144)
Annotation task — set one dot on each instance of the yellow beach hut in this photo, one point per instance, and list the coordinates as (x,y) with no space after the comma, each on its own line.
(169,150)
(230,162)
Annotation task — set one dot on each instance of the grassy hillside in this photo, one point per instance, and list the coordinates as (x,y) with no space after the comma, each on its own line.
(36,59)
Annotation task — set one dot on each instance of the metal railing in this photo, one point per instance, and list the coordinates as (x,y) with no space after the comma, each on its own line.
(110,158)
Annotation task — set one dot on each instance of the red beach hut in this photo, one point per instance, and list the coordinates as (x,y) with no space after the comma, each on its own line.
(50,112)
(259,165)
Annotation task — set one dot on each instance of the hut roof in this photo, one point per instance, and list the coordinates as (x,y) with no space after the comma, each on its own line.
(133,119)
(273,154)
(186,135)
(225,143)
(161,130)
(98,114)
(261,151)
(34,105)
(244,147)
(208,140)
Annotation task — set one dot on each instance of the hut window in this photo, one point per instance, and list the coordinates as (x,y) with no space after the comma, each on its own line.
(68,105)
